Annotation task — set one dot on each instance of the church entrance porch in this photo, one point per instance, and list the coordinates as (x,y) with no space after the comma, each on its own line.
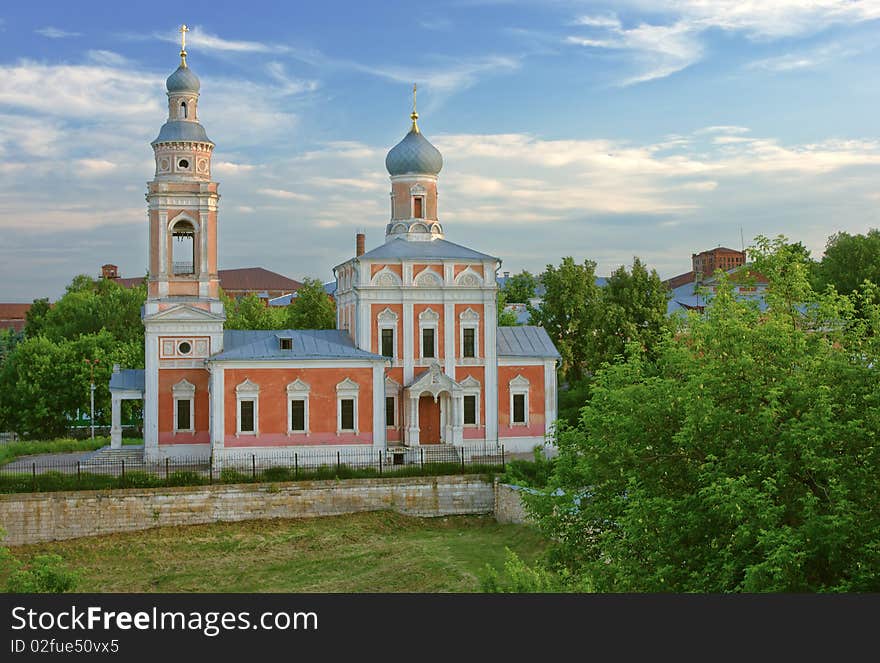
(433,409)
(429,420)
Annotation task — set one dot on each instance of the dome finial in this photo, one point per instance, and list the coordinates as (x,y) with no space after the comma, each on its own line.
(183,30)
(414,115)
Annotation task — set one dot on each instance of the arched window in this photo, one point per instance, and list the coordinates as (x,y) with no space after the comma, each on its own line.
(183,251)
(182,110)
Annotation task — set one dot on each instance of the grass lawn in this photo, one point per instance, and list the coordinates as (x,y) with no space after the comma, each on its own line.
(12,450)
(367,552)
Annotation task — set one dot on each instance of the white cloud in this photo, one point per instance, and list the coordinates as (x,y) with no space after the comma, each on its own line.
(283,194)
(677,41)
(56,33)
(204,40)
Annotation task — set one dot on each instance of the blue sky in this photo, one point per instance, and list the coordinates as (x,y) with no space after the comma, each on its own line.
(601,130)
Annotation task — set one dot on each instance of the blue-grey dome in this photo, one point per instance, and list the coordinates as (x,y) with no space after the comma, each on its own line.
(183,80)
(414,154)
(177,130)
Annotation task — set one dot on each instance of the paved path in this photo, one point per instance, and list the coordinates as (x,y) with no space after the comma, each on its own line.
(45,461)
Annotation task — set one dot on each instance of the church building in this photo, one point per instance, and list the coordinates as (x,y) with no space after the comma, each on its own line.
(417,357)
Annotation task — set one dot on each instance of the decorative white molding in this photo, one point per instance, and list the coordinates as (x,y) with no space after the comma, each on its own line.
(428,315)
(248,388)
(298,391)
(347,390)
(519,386)
(184,388)
(387,316)
(469,278)
(428,319)
(247,391)
(386,278)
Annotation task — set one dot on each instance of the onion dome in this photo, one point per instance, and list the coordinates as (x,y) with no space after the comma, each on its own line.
(182,80)
(414,154)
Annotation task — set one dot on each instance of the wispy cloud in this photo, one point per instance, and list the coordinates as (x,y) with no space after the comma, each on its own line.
(807,59)
(204,40)
(675,42)
(56,33)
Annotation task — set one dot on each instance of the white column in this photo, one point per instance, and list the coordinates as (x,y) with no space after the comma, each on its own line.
(413,428)
(458,425)
(116,422)
(449,353)
(218,428)
(408,343)
(491,355)
(549,394)
(151,396)
(379,407)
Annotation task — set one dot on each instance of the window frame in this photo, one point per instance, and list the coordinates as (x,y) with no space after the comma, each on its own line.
(247,391)
(184,391)
(471,387)
(469,319)
(519,386)
(387,319)
(298,391)
(348,389)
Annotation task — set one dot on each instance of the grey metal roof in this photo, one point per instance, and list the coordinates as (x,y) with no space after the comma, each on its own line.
(429,249)
(128,379)
(525,342)
(414,154)
(182,130)
(263,345)
(183,80)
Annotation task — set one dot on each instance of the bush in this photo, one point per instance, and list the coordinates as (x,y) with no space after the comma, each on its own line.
(530,473)
(45,574)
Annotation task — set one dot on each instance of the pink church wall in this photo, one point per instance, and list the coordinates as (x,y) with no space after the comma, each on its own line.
(535,376)
(168,377)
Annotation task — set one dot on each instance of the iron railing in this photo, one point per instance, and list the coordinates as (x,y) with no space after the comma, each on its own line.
(127,468)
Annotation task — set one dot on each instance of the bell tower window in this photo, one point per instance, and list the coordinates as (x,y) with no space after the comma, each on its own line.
(182,110)
(183,254)
(418,207)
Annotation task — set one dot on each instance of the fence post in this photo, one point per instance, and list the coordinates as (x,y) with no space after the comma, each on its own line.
(211,468)
(34,474)
(166,468)
(123,468)
(462,460)
(78,477)
(253,466)
(295,464)
(422,457)
(337,462)
(503,467)
(380,463)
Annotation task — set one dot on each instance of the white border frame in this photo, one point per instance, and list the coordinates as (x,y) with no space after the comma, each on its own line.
(429,319)
(392,390)
(470,386)
(185,391)
(469,319)
(387,319)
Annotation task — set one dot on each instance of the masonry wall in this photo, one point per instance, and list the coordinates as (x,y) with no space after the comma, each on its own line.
(509,506)
(38,517)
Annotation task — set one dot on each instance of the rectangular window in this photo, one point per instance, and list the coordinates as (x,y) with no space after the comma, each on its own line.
(470,410)
(418,212)
(247,416)
(184,410)
(519,408)
(347,413)
(286,343)
(390,419)
(387,342)
(298,416)
(470,346)
(428,342)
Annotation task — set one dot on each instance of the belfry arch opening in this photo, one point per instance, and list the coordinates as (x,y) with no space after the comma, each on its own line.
(183,110)
(183,248)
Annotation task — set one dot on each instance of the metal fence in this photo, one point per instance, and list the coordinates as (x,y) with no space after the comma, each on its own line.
(129,469)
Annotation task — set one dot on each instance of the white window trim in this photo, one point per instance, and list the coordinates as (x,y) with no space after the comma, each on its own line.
(247,391)
(469,319)
(185,391)
(471,387)
(298,391)
(346,389)
(429,319)
(387,319)
(519,385)
(392,390)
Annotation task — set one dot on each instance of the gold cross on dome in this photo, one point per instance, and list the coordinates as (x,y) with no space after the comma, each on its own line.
(414,115)
(183,30)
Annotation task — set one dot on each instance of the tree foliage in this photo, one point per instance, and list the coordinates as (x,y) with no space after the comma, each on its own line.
(506,318)
(520,288)
(250,312)
(850,260)
(312,308)
(569,312)
(742,457)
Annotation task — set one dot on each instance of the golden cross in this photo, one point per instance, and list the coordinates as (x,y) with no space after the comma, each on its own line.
(414,115)
(183,30)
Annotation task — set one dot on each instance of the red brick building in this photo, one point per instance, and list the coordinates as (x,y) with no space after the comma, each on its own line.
(13,316)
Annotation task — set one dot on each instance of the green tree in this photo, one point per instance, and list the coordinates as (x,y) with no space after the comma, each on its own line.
(250,312)
(505,318)
(850,260)
(569,312)
(35,318)
(632,310)
(312,308)
(43,574)
(742,458)
(520,288)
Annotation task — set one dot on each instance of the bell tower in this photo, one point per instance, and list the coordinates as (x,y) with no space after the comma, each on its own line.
(183,315)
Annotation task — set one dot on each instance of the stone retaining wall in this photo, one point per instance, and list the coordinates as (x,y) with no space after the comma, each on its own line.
(509,506)
(37,517)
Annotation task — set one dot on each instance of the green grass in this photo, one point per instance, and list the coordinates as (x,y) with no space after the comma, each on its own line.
(367,552)
(13,450)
